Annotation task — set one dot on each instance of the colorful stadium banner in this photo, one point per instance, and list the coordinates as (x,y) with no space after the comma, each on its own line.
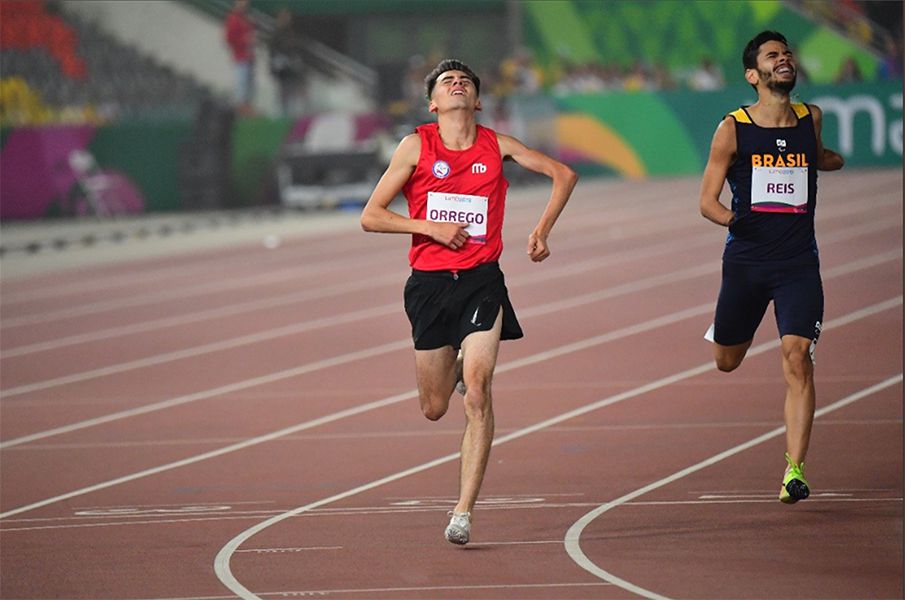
(631,135)
(616,32)
(669,133)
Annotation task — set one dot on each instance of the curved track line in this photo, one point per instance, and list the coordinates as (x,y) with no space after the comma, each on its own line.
(222,560)
(573,535)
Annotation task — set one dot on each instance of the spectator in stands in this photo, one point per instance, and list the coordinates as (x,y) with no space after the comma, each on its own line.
(638,78)
(662,79)
(286,63)
(519,74)
(849,72)
(707,76)
(891,63)
(240,37)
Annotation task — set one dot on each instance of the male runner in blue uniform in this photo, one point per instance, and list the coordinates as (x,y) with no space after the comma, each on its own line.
(769,153)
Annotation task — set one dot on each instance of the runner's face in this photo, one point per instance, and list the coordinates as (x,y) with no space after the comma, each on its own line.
(776,67)
(454,89)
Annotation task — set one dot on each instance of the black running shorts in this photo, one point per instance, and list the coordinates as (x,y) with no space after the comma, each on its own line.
(444,307)
(746,291)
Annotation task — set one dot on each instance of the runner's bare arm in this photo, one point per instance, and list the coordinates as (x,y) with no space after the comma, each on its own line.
(376,217)
(827,160)
(564,180)
(722,153)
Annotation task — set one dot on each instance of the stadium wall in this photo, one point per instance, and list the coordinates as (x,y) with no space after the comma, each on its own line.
(644,134)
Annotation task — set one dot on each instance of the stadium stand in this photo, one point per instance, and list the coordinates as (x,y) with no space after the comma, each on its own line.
(69,71)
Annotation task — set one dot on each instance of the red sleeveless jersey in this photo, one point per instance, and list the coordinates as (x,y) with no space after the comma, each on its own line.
(458,186)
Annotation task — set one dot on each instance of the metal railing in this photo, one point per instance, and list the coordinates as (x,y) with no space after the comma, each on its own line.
(327,60)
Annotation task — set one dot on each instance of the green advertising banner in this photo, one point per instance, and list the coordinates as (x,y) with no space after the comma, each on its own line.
(668,133)
(617,32)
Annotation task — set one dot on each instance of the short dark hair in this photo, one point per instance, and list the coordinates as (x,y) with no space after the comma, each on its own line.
(749,55)
(450,64)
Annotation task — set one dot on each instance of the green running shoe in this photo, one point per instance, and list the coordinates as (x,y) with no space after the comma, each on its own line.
(794,485)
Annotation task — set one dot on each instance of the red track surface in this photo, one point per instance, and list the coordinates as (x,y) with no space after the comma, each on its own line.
(243,422)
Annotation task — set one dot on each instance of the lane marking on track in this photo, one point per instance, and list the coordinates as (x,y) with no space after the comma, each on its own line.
(396,435)
(840,270)
(292,550)
(573,535)
(59,523)
(279,274)
(390,308)
(574,268)
(435,588)
(540,357)
(222,560)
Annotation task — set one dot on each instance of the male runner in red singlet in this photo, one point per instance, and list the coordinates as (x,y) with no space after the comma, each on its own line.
(770,153)
(451,173)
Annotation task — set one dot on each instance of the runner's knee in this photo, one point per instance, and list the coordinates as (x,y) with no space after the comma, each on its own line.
(797,362)
(477,403)
(434,407)
(728,363)
(728,358)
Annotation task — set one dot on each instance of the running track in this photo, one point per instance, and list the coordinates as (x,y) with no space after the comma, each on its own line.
(243,422)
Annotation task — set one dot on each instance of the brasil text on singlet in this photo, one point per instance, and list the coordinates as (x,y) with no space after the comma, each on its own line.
(774,191)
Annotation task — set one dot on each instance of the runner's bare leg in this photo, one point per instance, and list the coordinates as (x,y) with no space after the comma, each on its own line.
(480,350)
(436,375)
(801,396)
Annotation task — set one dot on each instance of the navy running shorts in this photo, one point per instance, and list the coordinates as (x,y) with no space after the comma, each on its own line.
(444,307)
(746,290)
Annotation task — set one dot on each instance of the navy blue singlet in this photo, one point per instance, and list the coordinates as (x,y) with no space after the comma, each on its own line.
(774,192)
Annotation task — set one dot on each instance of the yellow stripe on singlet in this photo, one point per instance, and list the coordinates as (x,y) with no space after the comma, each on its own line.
(740,116)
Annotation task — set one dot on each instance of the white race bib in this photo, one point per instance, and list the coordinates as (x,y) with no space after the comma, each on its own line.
(779,189)
(460,208)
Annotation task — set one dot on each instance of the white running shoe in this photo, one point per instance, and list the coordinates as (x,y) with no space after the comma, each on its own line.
(460,382)
(459,528)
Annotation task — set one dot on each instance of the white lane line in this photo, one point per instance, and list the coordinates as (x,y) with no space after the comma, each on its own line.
(182,293)
(212,392)
(616,220)
(539,357)
(292,550)
(354,356)
(596,296)
(296,328)
(456,432)
(222,560)
(271,276)
(573,535)
(207,314)
(626,218)
(433,588)
(20,525)
(573,268)
(411,394)
(195,351)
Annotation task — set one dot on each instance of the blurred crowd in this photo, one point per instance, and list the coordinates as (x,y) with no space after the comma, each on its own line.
(58,69)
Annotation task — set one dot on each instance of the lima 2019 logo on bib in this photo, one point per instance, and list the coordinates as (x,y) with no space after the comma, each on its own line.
(441,169)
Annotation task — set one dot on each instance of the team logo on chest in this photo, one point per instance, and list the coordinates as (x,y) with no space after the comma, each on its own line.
(441,169)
